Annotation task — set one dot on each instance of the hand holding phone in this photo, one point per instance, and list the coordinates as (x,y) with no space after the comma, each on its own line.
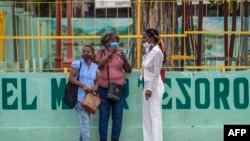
(112,45)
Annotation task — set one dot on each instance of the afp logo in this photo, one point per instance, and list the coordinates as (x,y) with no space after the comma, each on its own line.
(236,132)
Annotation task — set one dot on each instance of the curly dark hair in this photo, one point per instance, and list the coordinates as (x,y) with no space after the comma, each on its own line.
(107,35)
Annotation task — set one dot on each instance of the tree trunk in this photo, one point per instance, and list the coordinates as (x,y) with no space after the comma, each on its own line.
(245,36)
(160,15)
(226,53)
(232,38)
(199,36)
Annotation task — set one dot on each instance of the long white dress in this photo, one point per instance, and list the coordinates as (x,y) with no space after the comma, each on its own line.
(152,108)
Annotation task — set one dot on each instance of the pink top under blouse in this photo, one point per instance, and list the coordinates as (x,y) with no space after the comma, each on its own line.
(116,73)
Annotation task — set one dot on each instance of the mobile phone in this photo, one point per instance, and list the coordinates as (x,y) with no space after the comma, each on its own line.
(113,45)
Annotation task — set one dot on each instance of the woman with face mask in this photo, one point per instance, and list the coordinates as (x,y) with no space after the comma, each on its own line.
(88,82)
(153,86)
(112,60)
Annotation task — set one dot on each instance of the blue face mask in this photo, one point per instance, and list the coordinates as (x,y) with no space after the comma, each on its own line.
(86,57)
(114,44)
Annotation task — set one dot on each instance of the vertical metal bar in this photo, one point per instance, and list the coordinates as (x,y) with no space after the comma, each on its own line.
(58,57)
(2,33)
(69,42)
(138,41)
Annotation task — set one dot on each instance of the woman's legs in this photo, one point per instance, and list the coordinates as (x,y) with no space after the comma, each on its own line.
(104,113)
(156,115)
(152,114)
(117,114)
(146,122)
(84,119)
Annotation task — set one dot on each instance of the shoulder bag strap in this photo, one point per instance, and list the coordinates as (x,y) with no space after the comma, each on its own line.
(107,65)
(79,70)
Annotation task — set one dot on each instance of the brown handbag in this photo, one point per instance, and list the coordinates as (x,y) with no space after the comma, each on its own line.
(91,102)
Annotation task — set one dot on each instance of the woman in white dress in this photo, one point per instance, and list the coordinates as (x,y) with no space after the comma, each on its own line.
(153,86)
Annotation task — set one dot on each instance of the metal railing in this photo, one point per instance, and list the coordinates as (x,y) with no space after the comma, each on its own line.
(29,41)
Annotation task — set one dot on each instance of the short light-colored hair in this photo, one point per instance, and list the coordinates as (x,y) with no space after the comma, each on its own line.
(108,35)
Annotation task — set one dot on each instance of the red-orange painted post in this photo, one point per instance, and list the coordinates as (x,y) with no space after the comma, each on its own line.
(69,43)
(58,57)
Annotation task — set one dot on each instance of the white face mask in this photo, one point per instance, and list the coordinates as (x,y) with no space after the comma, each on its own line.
(146,44)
